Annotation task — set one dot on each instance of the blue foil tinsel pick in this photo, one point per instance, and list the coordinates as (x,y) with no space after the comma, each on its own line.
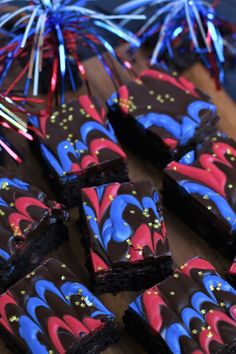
(189,20)
(32,22)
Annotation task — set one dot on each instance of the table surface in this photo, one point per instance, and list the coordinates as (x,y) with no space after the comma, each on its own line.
(184,243)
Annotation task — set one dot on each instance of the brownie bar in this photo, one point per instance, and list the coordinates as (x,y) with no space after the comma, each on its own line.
(124,236)
(161,115)
(231,274)
(50,311)
(31,226)
(201,189)
(78,148)
(190,312)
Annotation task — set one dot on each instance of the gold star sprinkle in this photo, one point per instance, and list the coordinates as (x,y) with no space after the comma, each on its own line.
(203,328)
(176,275)
(82,305)
(132,211)
(151,92)
(51,352)
(67,297)
(128,256)
(63,266)
(129,242)
(23,292)
(111,197)
(209,328)
(230,186)
(194,331)
(13,319)
(63,277)
(134,192)
(212,288)
(149,107)
(80,291)
(172,293)
(209,207)
(200,274)
(203,311)
(222,304)
(210,335)
(12,204)
(205,197)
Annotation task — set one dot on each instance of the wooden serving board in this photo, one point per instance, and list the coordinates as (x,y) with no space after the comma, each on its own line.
(184,243)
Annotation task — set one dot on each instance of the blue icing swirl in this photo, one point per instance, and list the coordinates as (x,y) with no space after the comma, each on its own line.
(188,314)
(199,298)
(89,127)
(183,132)
(4,255)
(137,306)
(214,280)
(172,336)
(195,107)
(51,159)
(14,182)
(222,205)
(188,159)
(70,288)
(29,330)
(31,306)
(115,227)
(42,285)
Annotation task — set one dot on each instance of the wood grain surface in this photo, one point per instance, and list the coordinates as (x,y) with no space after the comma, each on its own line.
(184,243)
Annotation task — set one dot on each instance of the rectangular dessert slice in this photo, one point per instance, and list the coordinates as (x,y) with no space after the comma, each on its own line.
(191,312)
(31,226)
(50,311)
(201,189)
(78,148)
(231,274)
(161,115)
(124,235)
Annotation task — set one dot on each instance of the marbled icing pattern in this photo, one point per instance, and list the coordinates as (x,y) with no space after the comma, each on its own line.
(166,105)
(77,137)
(49,311)
(194,311)
(125,224)
(24,212)
(209,175)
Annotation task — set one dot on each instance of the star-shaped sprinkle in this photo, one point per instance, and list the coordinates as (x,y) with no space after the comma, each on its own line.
(63,265)
(129,242)
(63,277)
(176,275)
(209,207)
(14,319)
(203,311)
(128,256)
(210,335)
(172,293)
(222,304)
(230,186)
(200,274)
(194,331)
(82,305)
(23,292)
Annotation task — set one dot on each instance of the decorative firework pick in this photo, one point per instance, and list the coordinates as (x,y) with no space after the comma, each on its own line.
(11,120)
(55,30)
(173,19)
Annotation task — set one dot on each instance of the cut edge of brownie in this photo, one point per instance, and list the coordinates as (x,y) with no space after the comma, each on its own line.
(154,343)
(176,198)
(138,329)
(94,343)
(68,188)
(35,253)
(136,276)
